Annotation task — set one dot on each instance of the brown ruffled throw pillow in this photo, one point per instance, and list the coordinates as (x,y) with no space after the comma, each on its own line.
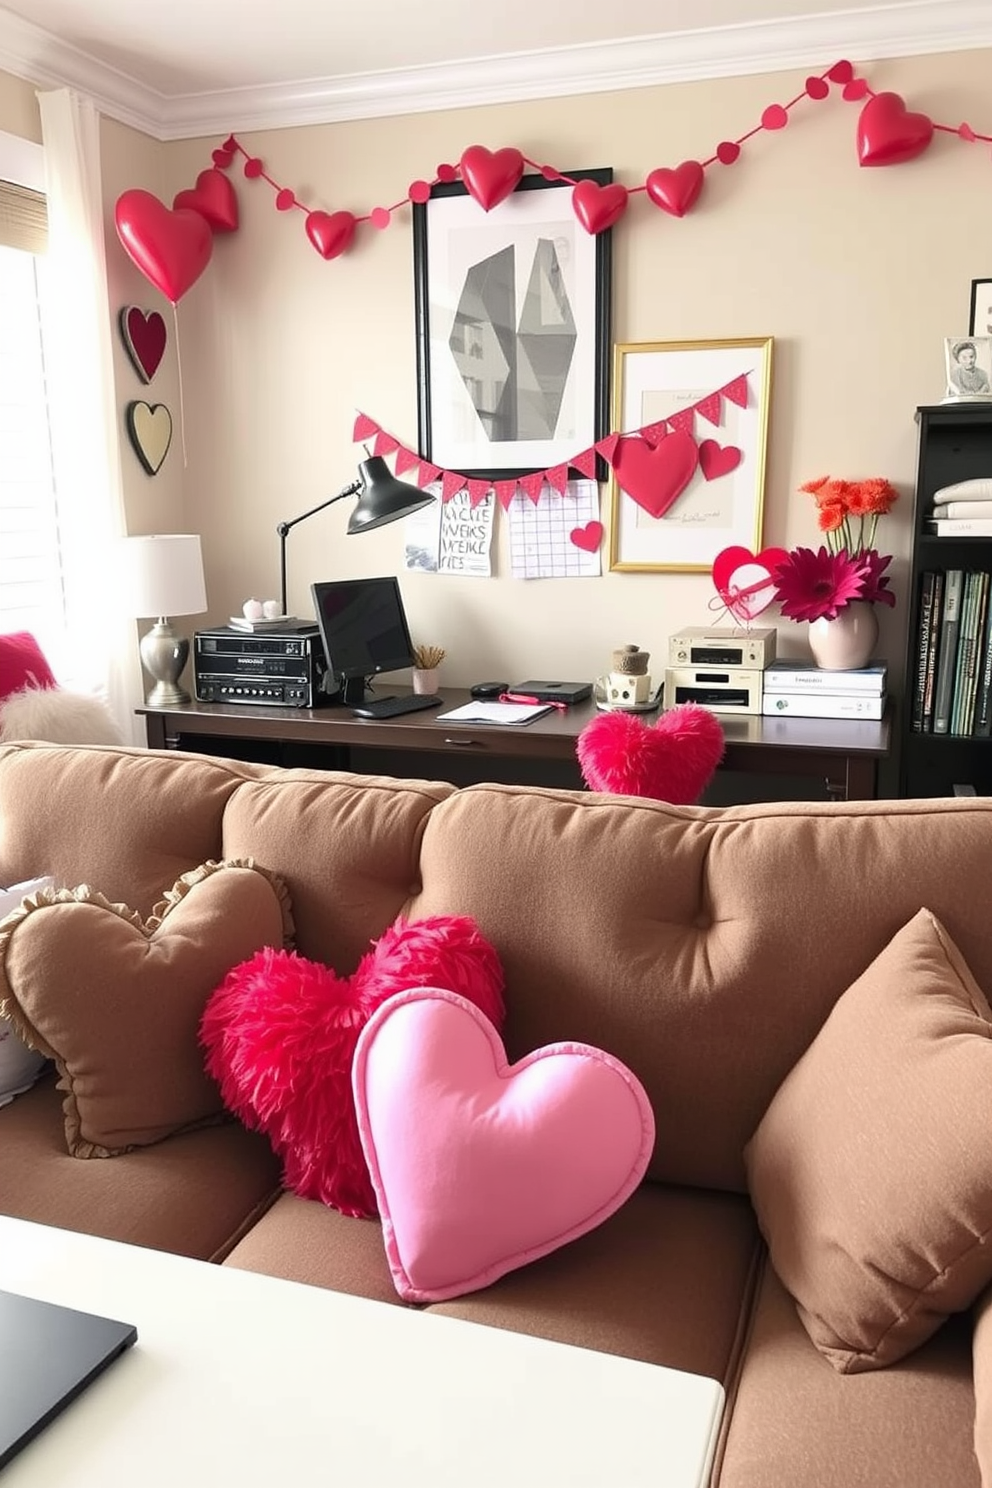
(116,1001)
(871,1171)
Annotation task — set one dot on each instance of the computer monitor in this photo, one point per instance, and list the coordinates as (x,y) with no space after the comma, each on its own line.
(364,630)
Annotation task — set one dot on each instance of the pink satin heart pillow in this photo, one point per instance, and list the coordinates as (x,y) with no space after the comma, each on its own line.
(480,1167)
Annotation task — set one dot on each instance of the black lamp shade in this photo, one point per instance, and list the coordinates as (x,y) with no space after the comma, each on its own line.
(383,498)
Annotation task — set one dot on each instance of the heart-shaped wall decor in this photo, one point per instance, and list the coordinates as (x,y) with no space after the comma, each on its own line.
(677,190)
(143,334)
(330,232)
(598,207)
(744,580)
(716,460)
(655,475)
(491,175)
(149,428)
(480,1166)
(171,248)
(213,197)
(588,538)
(888,133)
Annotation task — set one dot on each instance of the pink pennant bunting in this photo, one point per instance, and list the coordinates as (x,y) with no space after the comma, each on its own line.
(653,432)
(531,485)
(405,460)
(710,408)
(427,473)
(451,484)
(586,462)
(364,427)
(478,490)
(557,477)
(608,447)
(384,443)
(736,391)
(505,492)
(683,420)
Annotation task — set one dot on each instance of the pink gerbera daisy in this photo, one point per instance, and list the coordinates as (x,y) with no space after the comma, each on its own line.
(809,584)
(876,580)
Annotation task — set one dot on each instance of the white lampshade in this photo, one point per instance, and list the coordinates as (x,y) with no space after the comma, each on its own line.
(163,575)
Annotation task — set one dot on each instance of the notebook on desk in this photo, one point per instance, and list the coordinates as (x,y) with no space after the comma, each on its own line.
(48,1354)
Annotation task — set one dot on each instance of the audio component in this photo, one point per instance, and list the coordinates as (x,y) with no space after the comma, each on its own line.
(723,647)
(286,669)
(721,689)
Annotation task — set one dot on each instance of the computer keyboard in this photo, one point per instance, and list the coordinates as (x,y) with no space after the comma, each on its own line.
(392,707)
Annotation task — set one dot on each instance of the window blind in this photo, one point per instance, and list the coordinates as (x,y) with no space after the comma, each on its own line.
(23,218)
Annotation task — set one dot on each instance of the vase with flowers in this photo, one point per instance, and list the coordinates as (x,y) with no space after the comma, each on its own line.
(836,587)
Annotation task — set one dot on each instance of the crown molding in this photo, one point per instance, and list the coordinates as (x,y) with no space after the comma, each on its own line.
(905,29)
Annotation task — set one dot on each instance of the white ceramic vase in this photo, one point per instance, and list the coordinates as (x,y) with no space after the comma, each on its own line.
(847,641)
(425,679)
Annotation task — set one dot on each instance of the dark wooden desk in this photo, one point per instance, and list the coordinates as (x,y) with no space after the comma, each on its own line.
(841,755)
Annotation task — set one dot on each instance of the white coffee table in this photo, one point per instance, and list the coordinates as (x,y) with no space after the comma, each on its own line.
(240,1380)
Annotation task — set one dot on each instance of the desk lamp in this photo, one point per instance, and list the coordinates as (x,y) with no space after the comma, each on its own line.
(163,575)
(383,499)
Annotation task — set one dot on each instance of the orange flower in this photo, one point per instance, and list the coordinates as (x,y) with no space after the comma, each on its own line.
(830,517)
(879,496)
(858,500)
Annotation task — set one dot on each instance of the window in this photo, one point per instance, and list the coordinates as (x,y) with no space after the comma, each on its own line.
(31,589)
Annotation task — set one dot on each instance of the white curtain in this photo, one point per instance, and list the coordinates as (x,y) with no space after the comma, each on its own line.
(102,652)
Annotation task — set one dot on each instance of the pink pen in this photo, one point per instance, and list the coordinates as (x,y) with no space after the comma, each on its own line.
(522,697)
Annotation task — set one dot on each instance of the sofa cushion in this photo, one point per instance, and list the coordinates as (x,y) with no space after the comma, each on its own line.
(116,1001)
(793,1422)
(194,1194)
(982,1361)
(870,1172)
(19,1065)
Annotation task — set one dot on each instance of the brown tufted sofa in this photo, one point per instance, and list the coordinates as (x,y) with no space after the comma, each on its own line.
(704,947)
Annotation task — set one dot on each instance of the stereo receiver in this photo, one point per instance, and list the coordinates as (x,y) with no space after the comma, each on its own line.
(287,669)
(722,690)
(722,647)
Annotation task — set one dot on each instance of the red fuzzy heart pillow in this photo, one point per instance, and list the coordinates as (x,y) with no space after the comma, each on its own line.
(672,761)
(280,1033)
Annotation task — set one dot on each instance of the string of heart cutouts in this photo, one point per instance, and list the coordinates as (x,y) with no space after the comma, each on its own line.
(653,465)
(172,248)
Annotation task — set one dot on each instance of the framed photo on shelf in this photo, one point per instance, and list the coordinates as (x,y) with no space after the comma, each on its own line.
(980,323)
(968,367)
(513,328)
(678,511)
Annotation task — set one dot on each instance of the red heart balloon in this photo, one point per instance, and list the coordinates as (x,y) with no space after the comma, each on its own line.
(598,207)
(888,133)
(144,339)
(744,580)
(213,197)
(716,460)
(491,176)
(330,232)
(171,249)
(588,538)
(655,475)
(676,190)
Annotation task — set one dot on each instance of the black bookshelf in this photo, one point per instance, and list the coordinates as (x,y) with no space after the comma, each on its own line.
(955,444)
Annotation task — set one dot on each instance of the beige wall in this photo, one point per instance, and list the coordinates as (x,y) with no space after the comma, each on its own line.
(857,274)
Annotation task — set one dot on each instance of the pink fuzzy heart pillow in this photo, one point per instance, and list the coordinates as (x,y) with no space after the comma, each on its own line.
(673,760)
(280,1034)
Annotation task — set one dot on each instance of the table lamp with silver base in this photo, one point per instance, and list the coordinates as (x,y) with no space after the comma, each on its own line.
(163,575)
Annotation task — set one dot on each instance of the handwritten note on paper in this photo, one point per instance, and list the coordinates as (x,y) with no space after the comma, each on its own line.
(450,537)
(541,545)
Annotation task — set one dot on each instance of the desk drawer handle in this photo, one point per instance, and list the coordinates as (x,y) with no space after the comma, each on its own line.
(466,743)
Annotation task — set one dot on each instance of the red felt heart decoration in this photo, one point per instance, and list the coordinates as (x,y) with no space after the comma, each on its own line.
(144,338)
(171,249)
(598,207)
(744,580)
(716,460)
(213,197)
(588,538)
(676,190)
(330,232)
(888,133)
(655,475)
(491,176)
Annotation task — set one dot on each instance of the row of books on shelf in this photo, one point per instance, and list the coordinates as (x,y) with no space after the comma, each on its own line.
(801,689)
(952,686)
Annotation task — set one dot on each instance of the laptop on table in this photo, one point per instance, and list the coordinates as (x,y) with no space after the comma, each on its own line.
(48,1354)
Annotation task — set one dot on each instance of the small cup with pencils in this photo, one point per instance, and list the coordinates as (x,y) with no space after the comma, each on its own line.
(426,660)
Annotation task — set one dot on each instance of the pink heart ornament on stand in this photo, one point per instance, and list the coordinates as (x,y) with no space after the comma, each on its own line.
(744,580)
(480,1166)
